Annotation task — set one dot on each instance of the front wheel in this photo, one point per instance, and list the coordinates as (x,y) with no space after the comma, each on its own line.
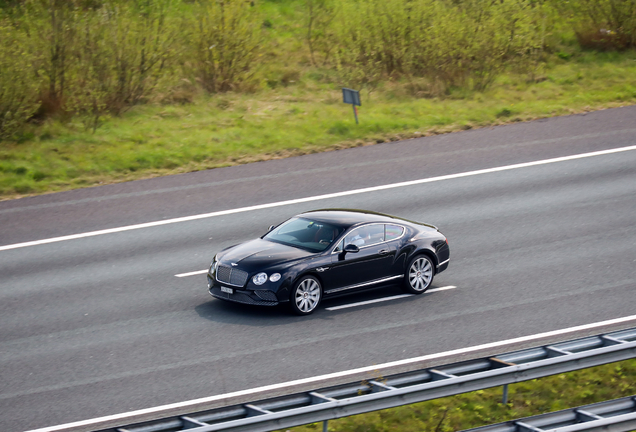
(419,275)
(306,295)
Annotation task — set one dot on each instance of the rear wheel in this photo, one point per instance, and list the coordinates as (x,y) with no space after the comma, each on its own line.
(306,295)
(419,275)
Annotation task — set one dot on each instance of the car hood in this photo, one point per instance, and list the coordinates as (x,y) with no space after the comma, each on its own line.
(261,254)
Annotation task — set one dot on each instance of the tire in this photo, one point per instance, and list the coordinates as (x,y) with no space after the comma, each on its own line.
(419,275)
(306,295)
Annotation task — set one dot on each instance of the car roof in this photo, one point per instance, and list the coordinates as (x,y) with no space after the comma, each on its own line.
(348,217)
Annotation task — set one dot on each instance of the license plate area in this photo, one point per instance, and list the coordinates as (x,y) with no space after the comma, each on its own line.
(227,290)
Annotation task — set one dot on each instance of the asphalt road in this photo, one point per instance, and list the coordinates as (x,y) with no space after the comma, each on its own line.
(101,325)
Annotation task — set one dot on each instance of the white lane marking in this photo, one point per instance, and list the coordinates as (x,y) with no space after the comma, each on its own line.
(316,198)
(191,273)
(374,368)
(383,299)
(441,288)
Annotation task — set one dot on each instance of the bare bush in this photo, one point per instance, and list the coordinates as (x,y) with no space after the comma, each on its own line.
(602,24)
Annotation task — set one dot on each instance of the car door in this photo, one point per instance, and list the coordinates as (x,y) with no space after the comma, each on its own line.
(373,261)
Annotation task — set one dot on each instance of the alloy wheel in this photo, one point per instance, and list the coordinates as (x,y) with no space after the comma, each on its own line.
(307,295)
(420,274)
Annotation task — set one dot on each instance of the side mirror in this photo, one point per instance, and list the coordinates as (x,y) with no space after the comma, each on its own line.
(351,248)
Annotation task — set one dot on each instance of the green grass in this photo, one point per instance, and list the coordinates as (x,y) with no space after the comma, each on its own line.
(484,407)
(300,116)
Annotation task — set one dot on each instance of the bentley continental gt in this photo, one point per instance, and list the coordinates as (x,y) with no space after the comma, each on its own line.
(324,253)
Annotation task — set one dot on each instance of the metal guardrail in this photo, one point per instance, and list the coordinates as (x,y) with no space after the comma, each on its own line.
(618,415)
(402,389)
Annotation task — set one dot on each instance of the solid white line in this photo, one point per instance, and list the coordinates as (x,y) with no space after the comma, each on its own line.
(316,198)
(373,368)
(191,273)
(383,299)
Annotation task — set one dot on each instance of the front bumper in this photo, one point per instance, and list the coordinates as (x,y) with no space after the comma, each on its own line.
(252,297)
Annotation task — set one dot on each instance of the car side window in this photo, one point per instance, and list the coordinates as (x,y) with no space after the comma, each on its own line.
(340,247)
(366,235)
(393,231)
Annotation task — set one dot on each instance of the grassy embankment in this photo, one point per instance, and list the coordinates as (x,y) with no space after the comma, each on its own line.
(484,407)
(304,117)
(294,107)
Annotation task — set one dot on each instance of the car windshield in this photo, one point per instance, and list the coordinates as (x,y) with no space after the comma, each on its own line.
(305,234)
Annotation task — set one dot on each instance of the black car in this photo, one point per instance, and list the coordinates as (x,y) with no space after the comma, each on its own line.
(324,253)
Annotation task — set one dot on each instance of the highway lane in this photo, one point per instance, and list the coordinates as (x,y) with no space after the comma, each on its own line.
(101,325)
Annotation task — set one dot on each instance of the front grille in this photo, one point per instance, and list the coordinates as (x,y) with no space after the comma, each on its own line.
(231,275)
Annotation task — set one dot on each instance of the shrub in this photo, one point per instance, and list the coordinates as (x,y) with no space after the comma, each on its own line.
(226,43)
(141,42)
(18,84)
(372,41)
(319,34)
(51,27)
(453,43)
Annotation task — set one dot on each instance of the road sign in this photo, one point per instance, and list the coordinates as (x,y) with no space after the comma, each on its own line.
(352,97)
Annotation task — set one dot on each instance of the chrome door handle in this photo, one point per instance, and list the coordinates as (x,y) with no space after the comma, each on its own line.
(384,252)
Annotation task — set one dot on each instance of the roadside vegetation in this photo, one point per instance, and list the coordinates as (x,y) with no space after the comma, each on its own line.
(484,407)
(101,91)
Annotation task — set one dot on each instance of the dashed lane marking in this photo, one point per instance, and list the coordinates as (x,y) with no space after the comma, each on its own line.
(198,272)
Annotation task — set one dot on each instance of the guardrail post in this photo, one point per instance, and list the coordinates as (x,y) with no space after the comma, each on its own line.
(504,400)
(325,426)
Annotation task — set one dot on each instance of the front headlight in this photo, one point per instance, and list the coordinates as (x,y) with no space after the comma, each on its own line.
(275,277)
(260,279)
(213,265)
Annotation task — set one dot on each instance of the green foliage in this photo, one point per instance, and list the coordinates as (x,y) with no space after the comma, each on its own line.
(92,77)
(97,57)
(142,35)
(319,17)
(451,44)
(372,40)
(18,85)
(226,44)
(51,26)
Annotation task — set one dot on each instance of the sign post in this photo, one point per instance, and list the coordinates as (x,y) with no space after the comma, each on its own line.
(352,97)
